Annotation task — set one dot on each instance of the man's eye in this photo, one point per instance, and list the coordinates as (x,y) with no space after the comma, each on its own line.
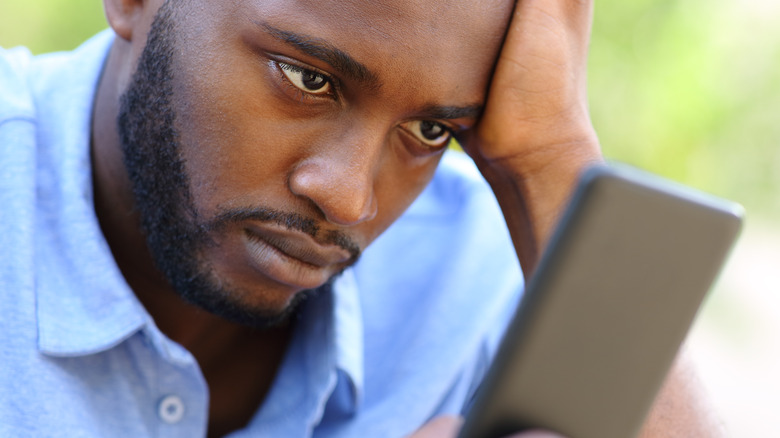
(307,81)
(433,134)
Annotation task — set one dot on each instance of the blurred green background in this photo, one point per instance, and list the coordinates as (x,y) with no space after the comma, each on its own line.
(689,89)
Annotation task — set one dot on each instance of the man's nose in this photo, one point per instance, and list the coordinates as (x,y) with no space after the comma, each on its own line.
(339,179)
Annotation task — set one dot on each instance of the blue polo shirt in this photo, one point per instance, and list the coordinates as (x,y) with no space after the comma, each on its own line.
(405,335)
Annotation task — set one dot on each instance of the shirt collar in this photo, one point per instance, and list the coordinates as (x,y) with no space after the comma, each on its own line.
(348,332)
(84,304)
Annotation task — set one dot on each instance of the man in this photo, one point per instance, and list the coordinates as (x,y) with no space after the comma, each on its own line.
(185,203)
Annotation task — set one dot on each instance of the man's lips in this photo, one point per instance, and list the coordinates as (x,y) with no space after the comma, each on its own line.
(300,246)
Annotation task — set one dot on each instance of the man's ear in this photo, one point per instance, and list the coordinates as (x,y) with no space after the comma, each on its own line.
(124,16)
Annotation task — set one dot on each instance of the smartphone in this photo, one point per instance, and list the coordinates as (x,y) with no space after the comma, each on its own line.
(613,297)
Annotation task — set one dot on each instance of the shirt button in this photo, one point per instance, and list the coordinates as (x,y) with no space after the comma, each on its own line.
(171,409)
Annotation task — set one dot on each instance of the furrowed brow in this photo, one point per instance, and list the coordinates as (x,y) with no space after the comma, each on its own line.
(325,52)
(453,112)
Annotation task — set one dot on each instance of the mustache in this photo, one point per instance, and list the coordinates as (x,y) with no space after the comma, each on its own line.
(289,220)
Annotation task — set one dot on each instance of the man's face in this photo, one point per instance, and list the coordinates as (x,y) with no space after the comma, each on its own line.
(268,143)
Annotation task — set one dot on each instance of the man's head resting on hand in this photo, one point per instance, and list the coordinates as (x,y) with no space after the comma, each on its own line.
(266,143)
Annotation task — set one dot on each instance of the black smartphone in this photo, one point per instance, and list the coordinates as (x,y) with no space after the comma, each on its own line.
(603,317)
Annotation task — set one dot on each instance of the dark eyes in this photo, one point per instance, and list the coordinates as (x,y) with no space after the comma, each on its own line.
(308,81)
(433,134)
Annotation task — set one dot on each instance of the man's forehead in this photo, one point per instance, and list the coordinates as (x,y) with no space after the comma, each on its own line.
(449,37)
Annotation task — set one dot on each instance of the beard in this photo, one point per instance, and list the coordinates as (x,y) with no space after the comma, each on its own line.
(176,234)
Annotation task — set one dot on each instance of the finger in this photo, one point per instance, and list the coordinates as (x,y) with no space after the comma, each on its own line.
(546,35)
(576,16)
(439,427)
(539,85)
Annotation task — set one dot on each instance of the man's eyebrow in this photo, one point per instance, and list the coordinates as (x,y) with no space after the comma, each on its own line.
(452,112)
(325,52)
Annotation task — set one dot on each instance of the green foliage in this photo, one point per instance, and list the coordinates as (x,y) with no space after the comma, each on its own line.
(49,25)
(689,89)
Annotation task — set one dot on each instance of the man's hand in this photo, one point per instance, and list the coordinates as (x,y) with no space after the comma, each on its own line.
(448,427)
(532,142)
(535,135)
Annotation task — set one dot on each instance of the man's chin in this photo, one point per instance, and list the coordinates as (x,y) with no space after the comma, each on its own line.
(234,306)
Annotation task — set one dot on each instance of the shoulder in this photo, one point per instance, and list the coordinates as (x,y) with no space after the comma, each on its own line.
(41,90)
(17,155)
(454,224)
(452,238)
(16,100)
(456,187)
(450,251)
(44,178)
